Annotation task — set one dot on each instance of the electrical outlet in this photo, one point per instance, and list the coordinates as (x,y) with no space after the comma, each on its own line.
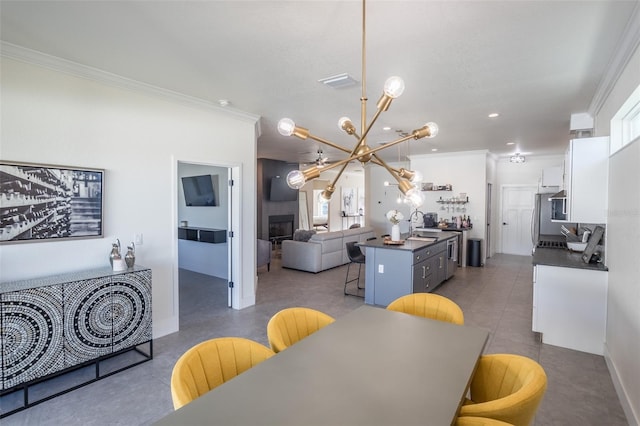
(137,239)
(381,269)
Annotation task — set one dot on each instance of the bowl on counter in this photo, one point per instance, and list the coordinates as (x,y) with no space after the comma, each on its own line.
(576,246)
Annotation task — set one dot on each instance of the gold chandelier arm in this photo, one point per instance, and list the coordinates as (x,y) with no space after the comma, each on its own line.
(335,181)
(329,143)
(393,172)
(402,172)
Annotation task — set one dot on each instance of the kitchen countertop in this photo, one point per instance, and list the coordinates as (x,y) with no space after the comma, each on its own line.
(564,258)
(412,245)
(448,228)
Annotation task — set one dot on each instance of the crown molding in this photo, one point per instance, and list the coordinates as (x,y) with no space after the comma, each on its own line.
(626,48)
(54,63)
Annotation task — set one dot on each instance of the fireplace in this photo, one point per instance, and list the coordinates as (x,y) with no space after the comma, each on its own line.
(281,227)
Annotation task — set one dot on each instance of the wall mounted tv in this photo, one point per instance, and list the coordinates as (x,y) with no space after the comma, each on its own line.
(280,191)
(201,190)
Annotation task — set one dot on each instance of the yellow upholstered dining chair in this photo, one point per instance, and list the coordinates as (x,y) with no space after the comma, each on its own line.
(506,387)
(293,324)
(479,421)
(429,305)
(211,363)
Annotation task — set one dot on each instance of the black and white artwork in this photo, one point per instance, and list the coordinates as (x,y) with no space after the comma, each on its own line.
(44,202)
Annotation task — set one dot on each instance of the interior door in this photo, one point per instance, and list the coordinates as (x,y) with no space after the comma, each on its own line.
(517,206)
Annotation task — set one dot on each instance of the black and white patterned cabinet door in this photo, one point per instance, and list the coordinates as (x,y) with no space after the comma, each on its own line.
(88,320)
(131,312)
(32,335)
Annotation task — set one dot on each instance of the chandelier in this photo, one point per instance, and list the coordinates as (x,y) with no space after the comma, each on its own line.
(518,159)
(407,179)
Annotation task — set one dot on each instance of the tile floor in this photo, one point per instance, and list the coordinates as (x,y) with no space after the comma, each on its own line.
(497,296)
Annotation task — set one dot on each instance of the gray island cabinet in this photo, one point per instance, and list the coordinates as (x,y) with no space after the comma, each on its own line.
(417,266)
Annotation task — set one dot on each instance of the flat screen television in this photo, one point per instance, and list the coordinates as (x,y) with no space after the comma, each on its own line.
(200,190)
(280,191)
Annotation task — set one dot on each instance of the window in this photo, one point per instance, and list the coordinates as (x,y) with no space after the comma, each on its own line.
(625,125)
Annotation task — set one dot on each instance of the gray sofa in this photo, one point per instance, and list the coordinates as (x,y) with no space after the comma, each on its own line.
(323,251)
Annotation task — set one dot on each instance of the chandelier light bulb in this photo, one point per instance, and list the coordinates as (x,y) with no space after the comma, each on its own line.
(324,197)
(346,124)
(415,197)
(393,87)
(433,129)
(286,126)
(296,179)
(417,177)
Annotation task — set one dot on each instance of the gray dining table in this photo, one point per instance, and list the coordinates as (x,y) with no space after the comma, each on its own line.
(370,367)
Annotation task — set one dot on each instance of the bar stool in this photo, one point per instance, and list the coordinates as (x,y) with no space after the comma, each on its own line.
(355,256)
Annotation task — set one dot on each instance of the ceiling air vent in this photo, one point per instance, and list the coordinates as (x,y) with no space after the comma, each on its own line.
(339,81)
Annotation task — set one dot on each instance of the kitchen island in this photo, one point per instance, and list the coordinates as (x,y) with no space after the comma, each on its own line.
(417,265)
(569,300)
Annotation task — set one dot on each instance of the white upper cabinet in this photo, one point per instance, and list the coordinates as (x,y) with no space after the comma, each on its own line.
(586,179)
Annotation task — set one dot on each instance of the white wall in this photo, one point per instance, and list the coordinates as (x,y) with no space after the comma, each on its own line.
(466,172)
(622,348)
(138,138)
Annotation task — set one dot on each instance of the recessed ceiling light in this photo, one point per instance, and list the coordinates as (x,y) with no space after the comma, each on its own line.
(386,128)
(224,102)
(494,115)
(434,149)
(511,143)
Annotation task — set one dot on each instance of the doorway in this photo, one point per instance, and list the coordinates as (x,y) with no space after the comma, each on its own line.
(211,259)
(517,206)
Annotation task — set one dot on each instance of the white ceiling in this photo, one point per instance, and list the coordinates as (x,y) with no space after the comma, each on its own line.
(534,62)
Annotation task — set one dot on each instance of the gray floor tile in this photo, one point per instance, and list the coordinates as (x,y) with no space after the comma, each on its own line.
(497,296)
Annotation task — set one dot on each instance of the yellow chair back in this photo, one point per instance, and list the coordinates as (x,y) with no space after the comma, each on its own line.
(294,324)
(211,363)
(429,305)
(479,421)
(506,387)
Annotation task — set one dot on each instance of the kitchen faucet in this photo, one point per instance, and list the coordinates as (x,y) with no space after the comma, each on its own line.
(415,212)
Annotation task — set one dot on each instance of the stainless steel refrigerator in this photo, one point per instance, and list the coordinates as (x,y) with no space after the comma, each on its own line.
(544,232)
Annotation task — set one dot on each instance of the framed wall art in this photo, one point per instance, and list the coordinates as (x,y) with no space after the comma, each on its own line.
(41,202)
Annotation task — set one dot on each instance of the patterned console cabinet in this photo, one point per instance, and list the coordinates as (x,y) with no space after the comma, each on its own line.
(32,337)
(53,324)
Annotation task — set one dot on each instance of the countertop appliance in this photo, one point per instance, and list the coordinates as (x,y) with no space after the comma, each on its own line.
(545,232)
(430,219)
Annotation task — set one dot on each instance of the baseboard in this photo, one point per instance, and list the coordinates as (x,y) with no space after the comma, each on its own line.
(632,418)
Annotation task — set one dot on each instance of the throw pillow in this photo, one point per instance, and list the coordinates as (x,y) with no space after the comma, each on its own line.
(302,235)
